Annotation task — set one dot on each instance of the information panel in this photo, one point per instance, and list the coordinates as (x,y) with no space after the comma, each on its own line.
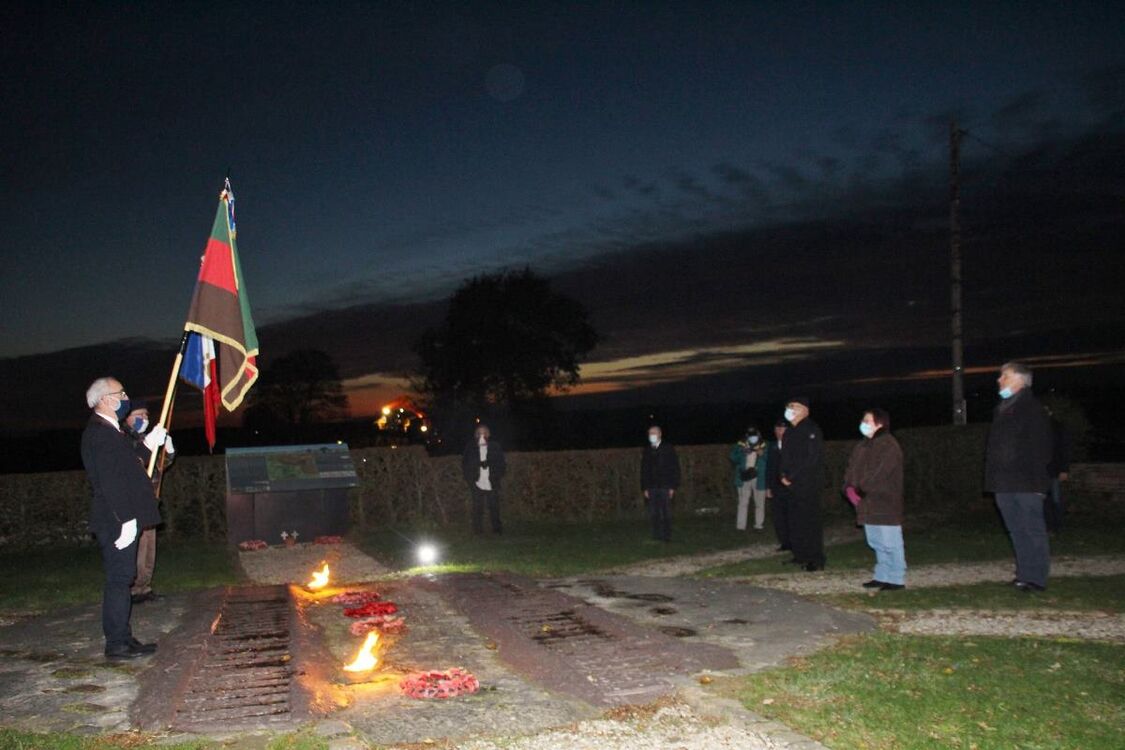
(289,468)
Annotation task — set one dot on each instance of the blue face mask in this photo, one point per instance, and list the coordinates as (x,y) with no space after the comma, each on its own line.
(866,429)
(1006,393)
(140,424)
(123,408)
(790,415)
(754,439)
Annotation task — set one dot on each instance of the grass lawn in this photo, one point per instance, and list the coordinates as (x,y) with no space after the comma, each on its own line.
(1101,593)
(973,539)
(39,579)
(11,739)
(538,549)
(891,692)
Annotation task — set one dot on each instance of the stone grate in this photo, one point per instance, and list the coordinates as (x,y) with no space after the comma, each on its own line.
(244,676)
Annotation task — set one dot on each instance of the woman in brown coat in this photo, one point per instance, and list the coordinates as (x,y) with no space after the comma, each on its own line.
(873,484)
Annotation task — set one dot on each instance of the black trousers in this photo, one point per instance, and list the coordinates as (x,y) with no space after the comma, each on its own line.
(806,535)
(779,509)
(491,498)
(120,569)
(660,511)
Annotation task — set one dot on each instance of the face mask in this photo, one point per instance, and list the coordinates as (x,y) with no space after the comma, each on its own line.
(866,429)
(790,415)
(482,440)
(754,439)
(123,408)
(1006,393)
(654,439)
(140,424)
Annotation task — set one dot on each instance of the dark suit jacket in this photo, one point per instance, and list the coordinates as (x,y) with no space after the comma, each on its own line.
(660,467)
(497,463)
(1019,446)
(802,458)
(121,486)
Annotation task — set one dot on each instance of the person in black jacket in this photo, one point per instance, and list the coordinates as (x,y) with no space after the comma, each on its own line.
(802,474)
(660,478)
(776,492)
(136,428)
(483,466)
(123,503)
(1016,470)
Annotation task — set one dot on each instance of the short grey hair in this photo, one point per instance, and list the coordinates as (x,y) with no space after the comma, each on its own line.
(97,389)
(1018,368)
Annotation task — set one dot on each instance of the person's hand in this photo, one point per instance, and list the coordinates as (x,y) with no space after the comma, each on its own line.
(1064,475)
(128,534)
(853,495)
(671,494)
(168,445)
(646,494)
(786,482)
(156,437)
(769,493)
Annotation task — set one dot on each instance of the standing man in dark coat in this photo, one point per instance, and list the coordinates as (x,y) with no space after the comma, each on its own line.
(776,492)
(660,478)
(1016,470)
(802,474)
(123,503)
(483,466)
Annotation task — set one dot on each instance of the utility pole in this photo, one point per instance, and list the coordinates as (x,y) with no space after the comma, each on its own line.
(960,415)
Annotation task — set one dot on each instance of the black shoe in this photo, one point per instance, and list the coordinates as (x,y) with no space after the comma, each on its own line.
(139,598)
(792,561)
(129,651)
(813,567)
(1029,588)
(873,584)
(144,648)
(892,586)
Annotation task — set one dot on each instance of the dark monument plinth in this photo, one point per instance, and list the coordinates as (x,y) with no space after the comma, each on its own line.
(302,488)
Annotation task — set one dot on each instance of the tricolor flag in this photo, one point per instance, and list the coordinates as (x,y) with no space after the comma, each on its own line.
(222,346)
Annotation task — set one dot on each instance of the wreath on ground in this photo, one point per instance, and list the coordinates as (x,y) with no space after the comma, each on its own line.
(439,685)
(385,624)
(355,598)
(371,609)
(328,540)
(252,545)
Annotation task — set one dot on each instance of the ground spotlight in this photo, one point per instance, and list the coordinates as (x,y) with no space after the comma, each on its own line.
(427,554)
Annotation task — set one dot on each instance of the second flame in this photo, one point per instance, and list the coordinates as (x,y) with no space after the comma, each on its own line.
(319,578)
(365,660)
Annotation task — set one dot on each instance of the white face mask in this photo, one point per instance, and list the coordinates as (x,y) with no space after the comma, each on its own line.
(754,439)
(867,429)
(482,440)
(790,415)
(654,439)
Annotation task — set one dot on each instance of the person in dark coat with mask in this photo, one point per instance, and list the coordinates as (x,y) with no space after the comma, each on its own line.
(873,483)
(660,478)
(123,503)
(802,474)
(1016,470)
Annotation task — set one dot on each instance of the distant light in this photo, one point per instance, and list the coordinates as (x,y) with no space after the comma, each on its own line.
(423,428)
(386,411)
(339,442)
(427,554)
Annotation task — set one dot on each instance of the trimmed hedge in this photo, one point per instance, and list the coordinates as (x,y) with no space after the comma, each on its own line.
(944,467)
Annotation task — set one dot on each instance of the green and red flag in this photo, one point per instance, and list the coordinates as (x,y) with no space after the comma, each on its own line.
(220,355)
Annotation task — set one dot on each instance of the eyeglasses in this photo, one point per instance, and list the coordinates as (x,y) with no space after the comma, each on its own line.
(121,393)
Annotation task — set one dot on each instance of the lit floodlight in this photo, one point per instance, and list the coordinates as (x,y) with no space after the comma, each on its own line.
(427,554)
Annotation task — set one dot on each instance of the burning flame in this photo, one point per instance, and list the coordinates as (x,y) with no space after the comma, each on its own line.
(365,660)
(319,579)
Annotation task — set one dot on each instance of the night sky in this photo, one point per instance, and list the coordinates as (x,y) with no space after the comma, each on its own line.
(747,196)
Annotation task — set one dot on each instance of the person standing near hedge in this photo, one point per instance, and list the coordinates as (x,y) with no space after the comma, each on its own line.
(873,484)
(483,466)
(776,492)
(802,474)
(136,427)
(1016,471)
(122,503)
(749,459)
(660,478)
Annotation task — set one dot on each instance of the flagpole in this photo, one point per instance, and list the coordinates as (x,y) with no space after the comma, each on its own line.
(169,394)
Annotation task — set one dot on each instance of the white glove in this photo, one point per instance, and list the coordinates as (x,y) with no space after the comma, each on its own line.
(168,445)
(156,437)
(128,534)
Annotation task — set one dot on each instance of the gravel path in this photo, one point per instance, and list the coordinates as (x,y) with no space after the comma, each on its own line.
(1087,626)
(928,576)
(295,564)
(677,726)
